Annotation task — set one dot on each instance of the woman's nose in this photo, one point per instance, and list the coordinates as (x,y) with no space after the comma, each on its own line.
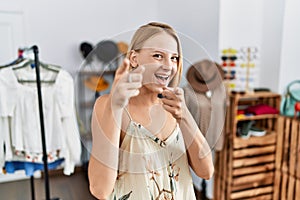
(168,64)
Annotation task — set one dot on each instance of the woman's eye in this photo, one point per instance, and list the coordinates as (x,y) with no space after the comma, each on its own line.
(175,58)
(158,56)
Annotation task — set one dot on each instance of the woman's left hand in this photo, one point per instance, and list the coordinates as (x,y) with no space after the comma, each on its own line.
(173,101)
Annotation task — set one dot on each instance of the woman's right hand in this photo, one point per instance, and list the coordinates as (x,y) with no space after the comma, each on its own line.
(126,84)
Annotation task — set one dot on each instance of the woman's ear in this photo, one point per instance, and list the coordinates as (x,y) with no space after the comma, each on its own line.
(133,58)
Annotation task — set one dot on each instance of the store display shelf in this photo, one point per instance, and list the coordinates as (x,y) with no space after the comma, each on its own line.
(268,139)
(247,166)
(261,159)
(100,73)
(256,95)
(89,104)
(256,117)
(263,183)
(253,169)
(91,84)
(240,153)
(254,179)
(256,193)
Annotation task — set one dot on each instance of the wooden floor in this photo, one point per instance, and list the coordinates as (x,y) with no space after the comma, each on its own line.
(74,187)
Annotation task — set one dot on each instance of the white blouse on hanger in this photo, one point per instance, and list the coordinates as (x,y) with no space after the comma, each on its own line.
(19,107)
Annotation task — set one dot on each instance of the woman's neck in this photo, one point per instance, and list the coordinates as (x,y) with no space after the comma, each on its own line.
(145,98)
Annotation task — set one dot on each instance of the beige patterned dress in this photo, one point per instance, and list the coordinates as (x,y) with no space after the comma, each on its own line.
(151,169)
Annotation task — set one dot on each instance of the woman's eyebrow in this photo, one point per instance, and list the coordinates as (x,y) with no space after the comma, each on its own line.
(164,52)
(161,50)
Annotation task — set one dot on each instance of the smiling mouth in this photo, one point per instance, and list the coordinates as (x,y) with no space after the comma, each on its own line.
(162,77)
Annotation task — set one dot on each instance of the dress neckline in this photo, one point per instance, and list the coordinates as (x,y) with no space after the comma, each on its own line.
(148,134)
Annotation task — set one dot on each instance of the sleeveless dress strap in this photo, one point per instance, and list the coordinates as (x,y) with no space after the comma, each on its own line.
(154,138)
(127,112)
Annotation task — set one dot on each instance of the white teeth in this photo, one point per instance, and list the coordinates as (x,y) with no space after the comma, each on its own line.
(162,77)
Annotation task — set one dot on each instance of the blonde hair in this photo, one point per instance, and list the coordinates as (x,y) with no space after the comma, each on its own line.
(149,30)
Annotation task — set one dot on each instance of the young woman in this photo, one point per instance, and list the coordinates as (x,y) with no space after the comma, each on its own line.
(144,138)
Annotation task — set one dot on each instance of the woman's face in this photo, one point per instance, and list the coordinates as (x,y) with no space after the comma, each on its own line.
(159,56)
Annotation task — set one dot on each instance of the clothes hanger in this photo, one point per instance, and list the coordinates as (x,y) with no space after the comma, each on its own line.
(26,55)
(30,63)
(17,61)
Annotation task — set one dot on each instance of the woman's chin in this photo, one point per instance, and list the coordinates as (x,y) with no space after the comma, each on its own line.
(160,87)
(160,90)
(156,88)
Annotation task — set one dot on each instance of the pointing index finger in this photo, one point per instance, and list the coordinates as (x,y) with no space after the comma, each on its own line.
(140,69)
(123,68)
(168,93)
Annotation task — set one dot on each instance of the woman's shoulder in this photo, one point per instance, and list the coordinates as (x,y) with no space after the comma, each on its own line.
(100,101)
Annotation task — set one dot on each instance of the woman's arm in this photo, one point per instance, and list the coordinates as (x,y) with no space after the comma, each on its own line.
(106,130)
(103,162)
(199,152)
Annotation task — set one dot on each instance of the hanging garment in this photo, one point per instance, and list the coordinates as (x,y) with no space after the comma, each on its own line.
(19,104)
(209,113)
(150,168)
(4,136)
(29,167)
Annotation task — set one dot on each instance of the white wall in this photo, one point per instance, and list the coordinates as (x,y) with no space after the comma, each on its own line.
(289,65)
(241,27)
(240,23)
(196,19)
(58,27)
(11,35)
(272,18)
(198,25)
(273,26)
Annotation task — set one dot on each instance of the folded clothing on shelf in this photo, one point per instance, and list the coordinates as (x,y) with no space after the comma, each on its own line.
(258,132)
(243,129)
(241,112)
(247,129)
(261,109)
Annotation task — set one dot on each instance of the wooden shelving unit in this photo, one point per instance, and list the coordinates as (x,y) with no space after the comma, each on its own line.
(287,175)
(86,97)
(245,168)
(85,102)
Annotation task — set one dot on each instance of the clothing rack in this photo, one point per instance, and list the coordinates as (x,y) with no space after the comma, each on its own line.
(40,102)
(203,191)
(38,157)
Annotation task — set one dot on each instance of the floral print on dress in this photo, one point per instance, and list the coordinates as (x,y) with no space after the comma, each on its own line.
(164,194)
(162,168)
(124,197)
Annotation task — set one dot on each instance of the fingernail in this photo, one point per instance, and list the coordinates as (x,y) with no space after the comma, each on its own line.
(160,96)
